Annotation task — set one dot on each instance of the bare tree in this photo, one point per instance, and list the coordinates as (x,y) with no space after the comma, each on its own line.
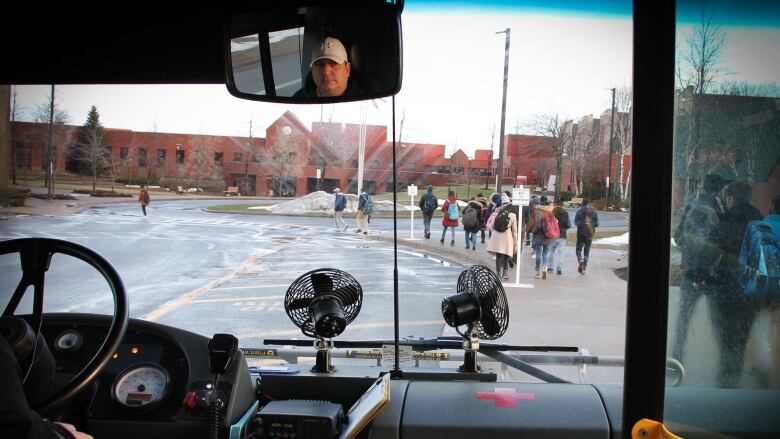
(53,136)
(623,129)
(201,163)
(553,127)
(284,157)
(744,88)
(154,130)
(584,145)
(701,65)
(14,113)
(122,161)
(92,150)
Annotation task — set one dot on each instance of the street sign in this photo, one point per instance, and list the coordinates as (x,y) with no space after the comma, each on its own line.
(411,190)
(521,196)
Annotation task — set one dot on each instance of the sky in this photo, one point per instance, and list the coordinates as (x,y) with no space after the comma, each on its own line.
(559,62)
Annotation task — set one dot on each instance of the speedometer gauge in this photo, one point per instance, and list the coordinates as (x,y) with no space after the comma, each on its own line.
(142,385)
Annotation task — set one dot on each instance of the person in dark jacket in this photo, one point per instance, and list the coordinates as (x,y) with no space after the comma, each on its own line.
(472,222)
(428,204)
(339,204)
(564,223)
(731,310)
(585,220)
(484,202)
(694,266)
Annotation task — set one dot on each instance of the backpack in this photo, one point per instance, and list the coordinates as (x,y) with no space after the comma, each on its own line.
(429,205)
(491,219)
(550,226)
(369,206)
(470,217)
(501,223)
(693,236)
(760,257)
(340,202)
(146,198)
(586,227)
(452,211)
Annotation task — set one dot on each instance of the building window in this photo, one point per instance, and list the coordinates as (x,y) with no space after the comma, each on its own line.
(142,157)
(180,156)
(257,158)
(218,158)
(373,164)
(161,158)
(238,157)
(410,167)
(123,153)
(24,155)
(354,164)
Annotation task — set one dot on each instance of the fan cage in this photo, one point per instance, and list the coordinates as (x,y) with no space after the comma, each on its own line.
(345,286)
(486,287)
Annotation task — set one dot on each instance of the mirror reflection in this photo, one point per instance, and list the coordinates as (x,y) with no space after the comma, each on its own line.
(318,54)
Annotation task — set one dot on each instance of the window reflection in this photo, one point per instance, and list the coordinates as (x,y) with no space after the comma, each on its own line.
(724,322)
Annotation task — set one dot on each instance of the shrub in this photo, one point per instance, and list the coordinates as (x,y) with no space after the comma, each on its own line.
(13,197)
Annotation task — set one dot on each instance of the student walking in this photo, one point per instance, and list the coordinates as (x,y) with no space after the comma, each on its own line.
(450,217)
(144,199)
(364,210)
(339,204)
(564,224)
(586,220)
(428,205)
(502,242)
(472,222)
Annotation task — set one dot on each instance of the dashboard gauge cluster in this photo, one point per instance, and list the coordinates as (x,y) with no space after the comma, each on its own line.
(141,386)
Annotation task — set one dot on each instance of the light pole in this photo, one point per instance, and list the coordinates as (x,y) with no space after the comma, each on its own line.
(500,167)
(611,131)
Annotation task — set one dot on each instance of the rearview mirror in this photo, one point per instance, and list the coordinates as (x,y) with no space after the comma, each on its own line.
(315,54)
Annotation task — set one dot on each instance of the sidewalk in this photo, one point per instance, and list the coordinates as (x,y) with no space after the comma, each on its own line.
(587,311)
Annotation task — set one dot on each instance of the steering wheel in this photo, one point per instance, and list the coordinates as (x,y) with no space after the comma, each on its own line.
(35,254)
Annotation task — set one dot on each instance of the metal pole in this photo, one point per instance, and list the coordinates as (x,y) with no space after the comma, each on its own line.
(500,167)
(50,190)
(611,131)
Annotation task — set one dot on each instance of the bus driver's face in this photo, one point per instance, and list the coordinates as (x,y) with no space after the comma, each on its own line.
(331,77)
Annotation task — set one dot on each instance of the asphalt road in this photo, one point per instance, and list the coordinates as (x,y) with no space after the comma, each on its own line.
(212,273)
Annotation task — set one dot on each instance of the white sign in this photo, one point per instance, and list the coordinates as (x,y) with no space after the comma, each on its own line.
(404,356)
(319,173)
(551,184)
(521,196)
(411,190)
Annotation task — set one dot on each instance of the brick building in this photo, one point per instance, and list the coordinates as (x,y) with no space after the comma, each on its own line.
(289,160)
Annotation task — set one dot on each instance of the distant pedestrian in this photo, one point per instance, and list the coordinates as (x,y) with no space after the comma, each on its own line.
(528,218)
(542,244)
(472,222)
(428,204)
(364,211)
(564,224)
(450,217)
(731,309)
(502,242)
(144,199)
(484,202)
(586,220)
(339,204)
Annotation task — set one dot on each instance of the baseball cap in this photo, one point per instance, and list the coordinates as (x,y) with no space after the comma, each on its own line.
(332,49)
(337,190)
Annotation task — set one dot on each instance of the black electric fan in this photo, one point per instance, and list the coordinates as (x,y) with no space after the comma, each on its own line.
(480,304)
(322,303)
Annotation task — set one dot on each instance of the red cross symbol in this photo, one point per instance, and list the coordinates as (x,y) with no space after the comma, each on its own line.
(505,397)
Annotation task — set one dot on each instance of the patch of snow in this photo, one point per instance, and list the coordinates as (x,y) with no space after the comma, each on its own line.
(322,202)
(614,240)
